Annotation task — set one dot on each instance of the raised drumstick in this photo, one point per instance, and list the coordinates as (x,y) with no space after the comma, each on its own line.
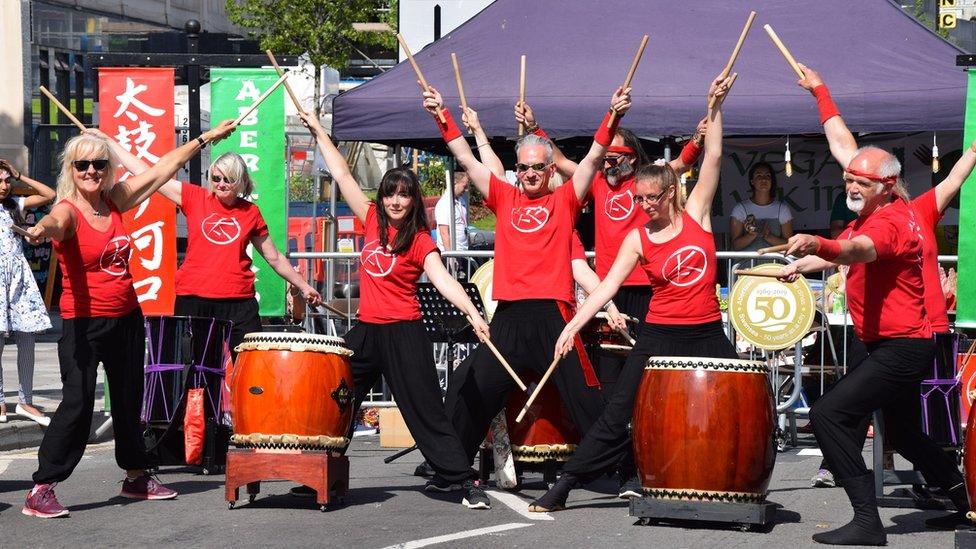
(630,74)
(774,249)
(505,364)
(735,51)
(265,95)
(420,75)
(460,86)
(63,109)
(521,127)
(538,388)
(294,98)
(784,51)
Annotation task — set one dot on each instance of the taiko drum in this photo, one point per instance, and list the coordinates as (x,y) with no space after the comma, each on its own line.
(703,429)
(969,458)
(292,390)
(546,431)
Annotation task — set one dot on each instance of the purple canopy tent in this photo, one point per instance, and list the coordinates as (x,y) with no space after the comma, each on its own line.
(886,71)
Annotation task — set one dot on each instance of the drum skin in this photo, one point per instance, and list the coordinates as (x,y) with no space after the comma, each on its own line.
(704,433)
(546,431)
(287,392)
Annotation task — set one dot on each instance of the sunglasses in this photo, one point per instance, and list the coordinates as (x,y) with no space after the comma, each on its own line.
(537,167)
(614,160)
(650,198)
(219,178)
(99,164)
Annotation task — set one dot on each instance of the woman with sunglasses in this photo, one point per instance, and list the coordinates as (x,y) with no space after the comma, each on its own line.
(676,249)
(102,320)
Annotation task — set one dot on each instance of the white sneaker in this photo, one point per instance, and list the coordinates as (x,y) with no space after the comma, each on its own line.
(41,419)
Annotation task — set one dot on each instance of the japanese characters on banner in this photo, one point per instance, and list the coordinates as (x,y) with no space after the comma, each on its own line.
(260,140)
(136,109)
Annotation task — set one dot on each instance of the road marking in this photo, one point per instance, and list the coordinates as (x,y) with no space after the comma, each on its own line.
(4,463)
(518,505)
(459,535)
(810,452)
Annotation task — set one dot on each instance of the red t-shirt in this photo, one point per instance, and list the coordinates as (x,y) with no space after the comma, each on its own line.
(95,269)
(532,242)
(682,273)
(927,215)
(387,282)
(616,214)
(216,264)
(886,297)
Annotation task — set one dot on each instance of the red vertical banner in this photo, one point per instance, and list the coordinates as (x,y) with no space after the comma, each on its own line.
(135,108)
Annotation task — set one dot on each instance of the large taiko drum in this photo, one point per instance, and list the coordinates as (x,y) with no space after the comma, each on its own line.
(969,459)
(292,390)
(546,432)
(703,429)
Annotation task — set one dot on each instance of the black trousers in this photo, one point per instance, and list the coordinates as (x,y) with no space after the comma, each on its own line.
(608,443)
(401,352)
(242,313)
(888,380)
(631,301)
(525,333)
(119,344)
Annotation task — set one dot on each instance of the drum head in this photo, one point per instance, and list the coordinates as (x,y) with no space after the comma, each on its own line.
(482,278)
(263,341)
(703,363)
(771,314)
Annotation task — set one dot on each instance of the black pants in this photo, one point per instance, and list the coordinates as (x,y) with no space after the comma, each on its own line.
(119,344)
(631,301)
(525,333)
(401,352)
(242,313)
(888,380)
(608,442)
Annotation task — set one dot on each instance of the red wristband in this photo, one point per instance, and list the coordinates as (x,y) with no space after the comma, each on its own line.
(827,249)
(690,153)
(825,103)
(449,130)
(540,132)
(604,135)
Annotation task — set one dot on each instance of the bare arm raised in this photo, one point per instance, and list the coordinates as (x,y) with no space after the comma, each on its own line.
(479,173)
(699,204)
(348,186)
(843,146)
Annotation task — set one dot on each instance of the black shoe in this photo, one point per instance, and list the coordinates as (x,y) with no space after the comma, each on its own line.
(555,498)
(302,492)
(630,488)
(866,527)
(475,497)
(423,470)
(438,483)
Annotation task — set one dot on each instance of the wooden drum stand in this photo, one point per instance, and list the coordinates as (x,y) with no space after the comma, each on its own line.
(321,470)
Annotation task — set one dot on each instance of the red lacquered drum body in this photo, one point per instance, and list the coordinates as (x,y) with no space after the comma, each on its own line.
(969,457)
(292,391)
(546,431)
(703,429)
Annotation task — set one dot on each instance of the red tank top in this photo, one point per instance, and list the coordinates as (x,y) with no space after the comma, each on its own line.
(95,269)
(682,272)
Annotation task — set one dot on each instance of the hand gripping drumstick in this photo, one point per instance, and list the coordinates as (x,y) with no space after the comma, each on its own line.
(420,75)
(630,75)
(538,388)
(63,109)
(265,95)
(294,98)
(626,336)
(774,249)
(735,52)
(498,355)
(521,127)
(784,51)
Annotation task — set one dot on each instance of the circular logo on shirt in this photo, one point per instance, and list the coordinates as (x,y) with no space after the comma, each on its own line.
(529,219)
(768,313)
(619,206)
(376,260)
(220,230)
(115,256)
(685,266)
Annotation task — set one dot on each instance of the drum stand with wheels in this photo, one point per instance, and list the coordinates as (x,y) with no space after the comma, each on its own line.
(748,516)
(321,470)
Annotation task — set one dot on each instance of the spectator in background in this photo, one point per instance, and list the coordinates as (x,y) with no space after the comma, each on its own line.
(761,221)
(442,215)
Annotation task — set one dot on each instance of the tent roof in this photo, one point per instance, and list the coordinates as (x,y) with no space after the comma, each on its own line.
(887,72)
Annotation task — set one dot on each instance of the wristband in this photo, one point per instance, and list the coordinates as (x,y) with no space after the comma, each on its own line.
(540,132)
(604,135)
(202,142)
(827,249)
(825,103)
(449,130)
(690,153)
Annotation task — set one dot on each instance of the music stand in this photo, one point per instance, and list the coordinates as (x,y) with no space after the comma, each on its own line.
(444,323)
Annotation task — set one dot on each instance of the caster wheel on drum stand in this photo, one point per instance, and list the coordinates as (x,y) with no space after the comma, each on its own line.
(230,505)
(205,471)
(323,508)
(251,498)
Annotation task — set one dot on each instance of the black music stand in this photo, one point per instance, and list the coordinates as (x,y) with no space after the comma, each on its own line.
(444,323)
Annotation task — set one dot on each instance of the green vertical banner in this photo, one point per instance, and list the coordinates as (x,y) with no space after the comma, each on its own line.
(966,290)
(260,140)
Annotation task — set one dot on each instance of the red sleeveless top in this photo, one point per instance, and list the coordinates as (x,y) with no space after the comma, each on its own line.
(95,269)
(682,272)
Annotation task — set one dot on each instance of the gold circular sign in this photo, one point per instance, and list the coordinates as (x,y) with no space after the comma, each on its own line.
(768,313)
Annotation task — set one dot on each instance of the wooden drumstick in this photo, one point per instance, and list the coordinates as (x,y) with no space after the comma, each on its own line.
(538,388)
(630,74)
(784,51)
(265,95)
(420,75)
(626,336)
(735,51)
(63,109)
(505,364)
(774,249)
(294,98)
(521,127)
(460,86)
(19,230)
(747,272)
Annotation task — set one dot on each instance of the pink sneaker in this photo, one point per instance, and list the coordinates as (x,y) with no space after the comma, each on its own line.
(146,487)
(43,503)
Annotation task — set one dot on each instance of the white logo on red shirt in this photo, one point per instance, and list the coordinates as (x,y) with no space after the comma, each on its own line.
(619,206)
(115,256)
(220,230)
(529,219)
(685,266)
(376,260)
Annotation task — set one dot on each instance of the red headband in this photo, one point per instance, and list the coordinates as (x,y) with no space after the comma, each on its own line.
(886,181)
(620,149)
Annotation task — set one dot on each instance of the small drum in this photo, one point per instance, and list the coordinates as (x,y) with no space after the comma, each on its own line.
(703,429)
(598,333)
(546,432)
(292,391)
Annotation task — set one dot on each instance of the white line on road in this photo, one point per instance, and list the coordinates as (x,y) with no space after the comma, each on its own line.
(4,463)
(459,535)
(810,452)
(518,505)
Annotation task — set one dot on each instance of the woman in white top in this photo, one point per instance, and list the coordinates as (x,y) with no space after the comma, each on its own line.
(761,221)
